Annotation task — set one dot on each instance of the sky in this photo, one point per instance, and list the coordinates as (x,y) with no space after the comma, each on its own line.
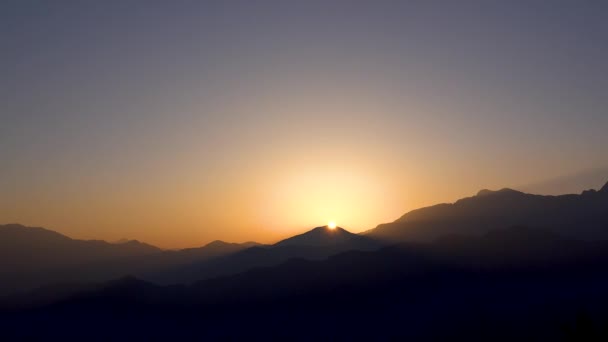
(182,122)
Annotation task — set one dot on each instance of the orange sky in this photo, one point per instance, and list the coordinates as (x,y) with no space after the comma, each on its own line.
(181,123)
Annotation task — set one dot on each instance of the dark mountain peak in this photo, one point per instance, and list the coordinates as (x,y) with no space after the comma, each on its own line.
(141,246)
(13,226)
(130,242)
(603,191)
(20,227)
(15,230)
(326,231)
(486,192)
(217,244)
(579,216)
(322,236)
(223,244)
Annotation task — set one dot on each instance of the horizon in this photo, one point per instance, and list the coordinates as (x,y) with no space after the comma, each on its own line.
(330,225)
(184,122)
(227,170)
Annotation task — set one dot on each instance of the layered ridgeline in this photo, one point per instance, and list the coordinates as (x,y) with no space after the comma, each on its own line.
(41,249)
(499,265)
(583,216)
(316,244)
(33,257)
(512,284)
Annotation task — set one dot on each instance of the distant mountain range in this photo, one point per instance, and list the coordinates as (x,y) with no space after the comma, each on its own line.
(316,244)
(18,244)
(324,236)
(34,257)
(583,216)
(515,262)
(31,257)
(511,284)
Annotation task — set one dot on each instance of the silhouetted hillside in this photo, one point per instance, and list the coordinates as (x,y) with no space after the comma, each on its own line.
(316,244)
(18,244)
(324,236)
(492,287)
(502,265)
(28,255)
(583,216)
(36,257)
(33,257)
(164,267)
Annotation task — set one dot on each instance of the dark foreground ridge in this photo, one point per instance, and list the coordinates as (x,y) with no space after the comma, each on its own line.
(518,283)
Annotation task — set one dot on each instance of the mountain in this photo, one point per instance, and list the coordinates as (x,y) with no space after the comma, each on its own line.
(35,257)
(316,244)
(583,216)
(161,267)
(27,248)
(214,248)
(32,257)
(29,255)
(324,236)
(490,287)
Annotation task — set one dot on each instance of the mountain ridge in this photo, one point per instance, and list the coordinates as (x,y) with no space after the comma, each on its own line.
(34,256)
(452,283)
(324,236)
(583,216)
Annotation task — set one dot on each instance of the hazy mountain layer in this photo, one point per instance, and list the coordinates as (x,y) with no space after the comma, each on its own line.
(583,216)
(512,284)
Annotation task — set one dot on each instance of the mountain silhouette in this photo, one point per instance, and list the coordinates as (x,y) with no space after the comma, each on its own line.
(161,267)
(35,257)
(490,287)
(324,236)
(18,242)
(583,216)
(501,265)
(32,257)
(28,255)
(316,244)
(214,248)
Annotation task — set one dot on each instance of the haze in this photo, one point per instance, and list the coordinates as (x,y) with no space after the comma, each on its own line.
(185,122)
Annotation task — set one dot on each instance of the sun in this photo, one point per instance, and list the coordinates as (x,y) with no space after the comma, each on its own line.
(331,225)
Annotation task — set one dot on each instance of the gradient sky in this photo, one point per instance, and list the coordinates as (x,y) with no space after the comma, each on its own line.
(181,122)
